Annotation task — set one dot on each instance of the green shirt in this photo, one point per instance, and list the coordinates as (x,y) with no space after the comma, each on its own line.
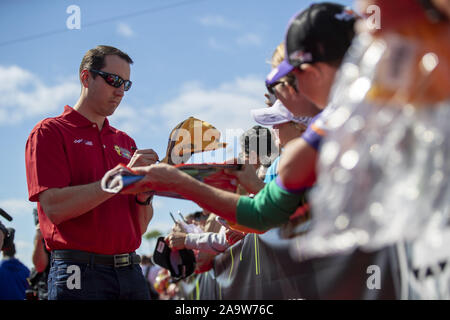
(271,207)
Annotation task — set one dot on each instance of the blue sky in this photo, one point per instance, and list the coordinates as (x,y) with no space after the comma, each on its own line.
(206,59)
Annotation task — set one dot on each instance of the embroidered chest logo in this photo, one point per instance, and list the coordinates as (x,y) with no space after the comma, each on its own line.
(122,152)
(83,141)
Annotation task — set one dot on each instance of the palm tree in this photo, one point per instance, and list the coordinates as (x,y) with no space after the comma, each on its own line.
(151,236)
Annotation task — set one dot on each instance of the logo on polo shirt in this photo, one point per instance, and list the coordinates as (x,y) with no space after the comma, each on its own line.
(83,141)
(122,152)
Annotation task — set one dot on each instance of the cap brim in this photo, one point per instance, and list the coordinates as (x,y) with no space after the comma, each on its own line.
(279,72)
(270,116)
(161,254)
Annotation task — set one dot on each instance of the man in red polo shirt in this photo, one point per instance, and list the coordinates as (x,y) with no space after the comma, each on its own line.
(92,235)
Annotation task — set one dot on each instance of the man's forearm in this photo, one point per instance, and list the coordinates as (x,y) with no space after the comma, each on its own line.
(164,177)
(209,242)
(145,213)
(255,186)
(40,257)
(248,179)
(271,207)
(61,204)
(222,203)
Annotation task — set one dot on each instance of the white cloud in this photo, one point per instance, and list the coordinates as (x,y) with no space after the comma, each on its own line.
(21,244)
(157,204)
(163,226)
(226,107)
(217,21)
(24,256)
(23,94)
(16,207)
(249,39)
(213,43)
(132,120)
(125,30)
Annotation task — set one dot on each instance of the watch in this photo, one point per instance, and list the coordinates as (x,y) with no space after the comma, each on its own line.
(146,202)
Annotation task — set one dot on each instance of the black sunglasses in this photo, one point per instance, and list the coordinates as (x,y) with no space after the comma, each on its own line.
(113,79)
(271,86)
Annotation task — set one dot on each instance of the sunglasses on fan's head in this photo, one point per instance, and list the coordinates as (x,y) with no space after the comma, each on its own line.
(113,79)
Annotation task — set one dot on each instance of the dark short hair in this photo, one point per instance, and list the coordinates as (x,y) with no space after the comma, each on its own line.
(95,58)
(9,251)
(199,216)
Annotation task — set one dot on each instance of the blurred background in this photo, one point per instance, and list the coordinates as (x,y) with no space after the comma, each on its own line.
(201,58)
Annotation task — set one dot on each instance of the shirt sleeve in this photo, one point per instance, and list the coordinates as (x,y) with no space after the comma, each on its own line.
(271,207)
(209,242)
(46,161)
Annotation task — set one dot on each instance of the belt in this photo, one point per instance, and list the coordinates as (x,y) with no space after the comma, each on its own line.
(118,260)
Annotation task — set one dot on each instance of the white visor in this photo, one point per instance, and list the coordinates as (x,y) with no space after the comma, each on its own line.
(277,114)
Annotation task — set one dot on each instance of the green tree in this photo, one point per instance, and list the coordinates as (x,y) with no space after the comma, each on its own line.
(152,234)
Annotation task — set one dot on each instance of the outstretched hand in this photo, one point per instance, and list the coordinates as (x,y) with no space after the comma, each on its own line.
(247,178)
(233,236)
(157,177)
(176,240)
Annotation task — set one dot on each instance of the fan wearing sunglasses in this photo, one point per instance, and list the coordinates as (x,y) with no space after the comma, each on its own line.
(66,158)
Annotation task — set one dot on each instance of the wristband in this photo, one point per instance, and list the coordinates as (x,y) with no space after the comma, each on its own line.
(146,202)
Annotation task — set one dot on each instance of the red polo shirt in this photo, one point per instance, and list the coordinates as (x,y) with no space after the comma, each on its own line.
(69,150)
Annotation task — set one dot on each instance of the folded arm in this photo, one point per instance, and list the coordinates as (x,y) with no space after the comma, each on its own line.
(61,204)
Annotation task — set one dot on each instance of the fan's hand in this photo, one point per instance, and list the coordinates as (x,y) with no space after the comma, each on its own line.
(143,157)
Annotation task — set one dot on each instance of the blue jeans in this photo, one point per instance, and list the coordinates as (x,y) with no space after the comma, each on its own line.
(81,281)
